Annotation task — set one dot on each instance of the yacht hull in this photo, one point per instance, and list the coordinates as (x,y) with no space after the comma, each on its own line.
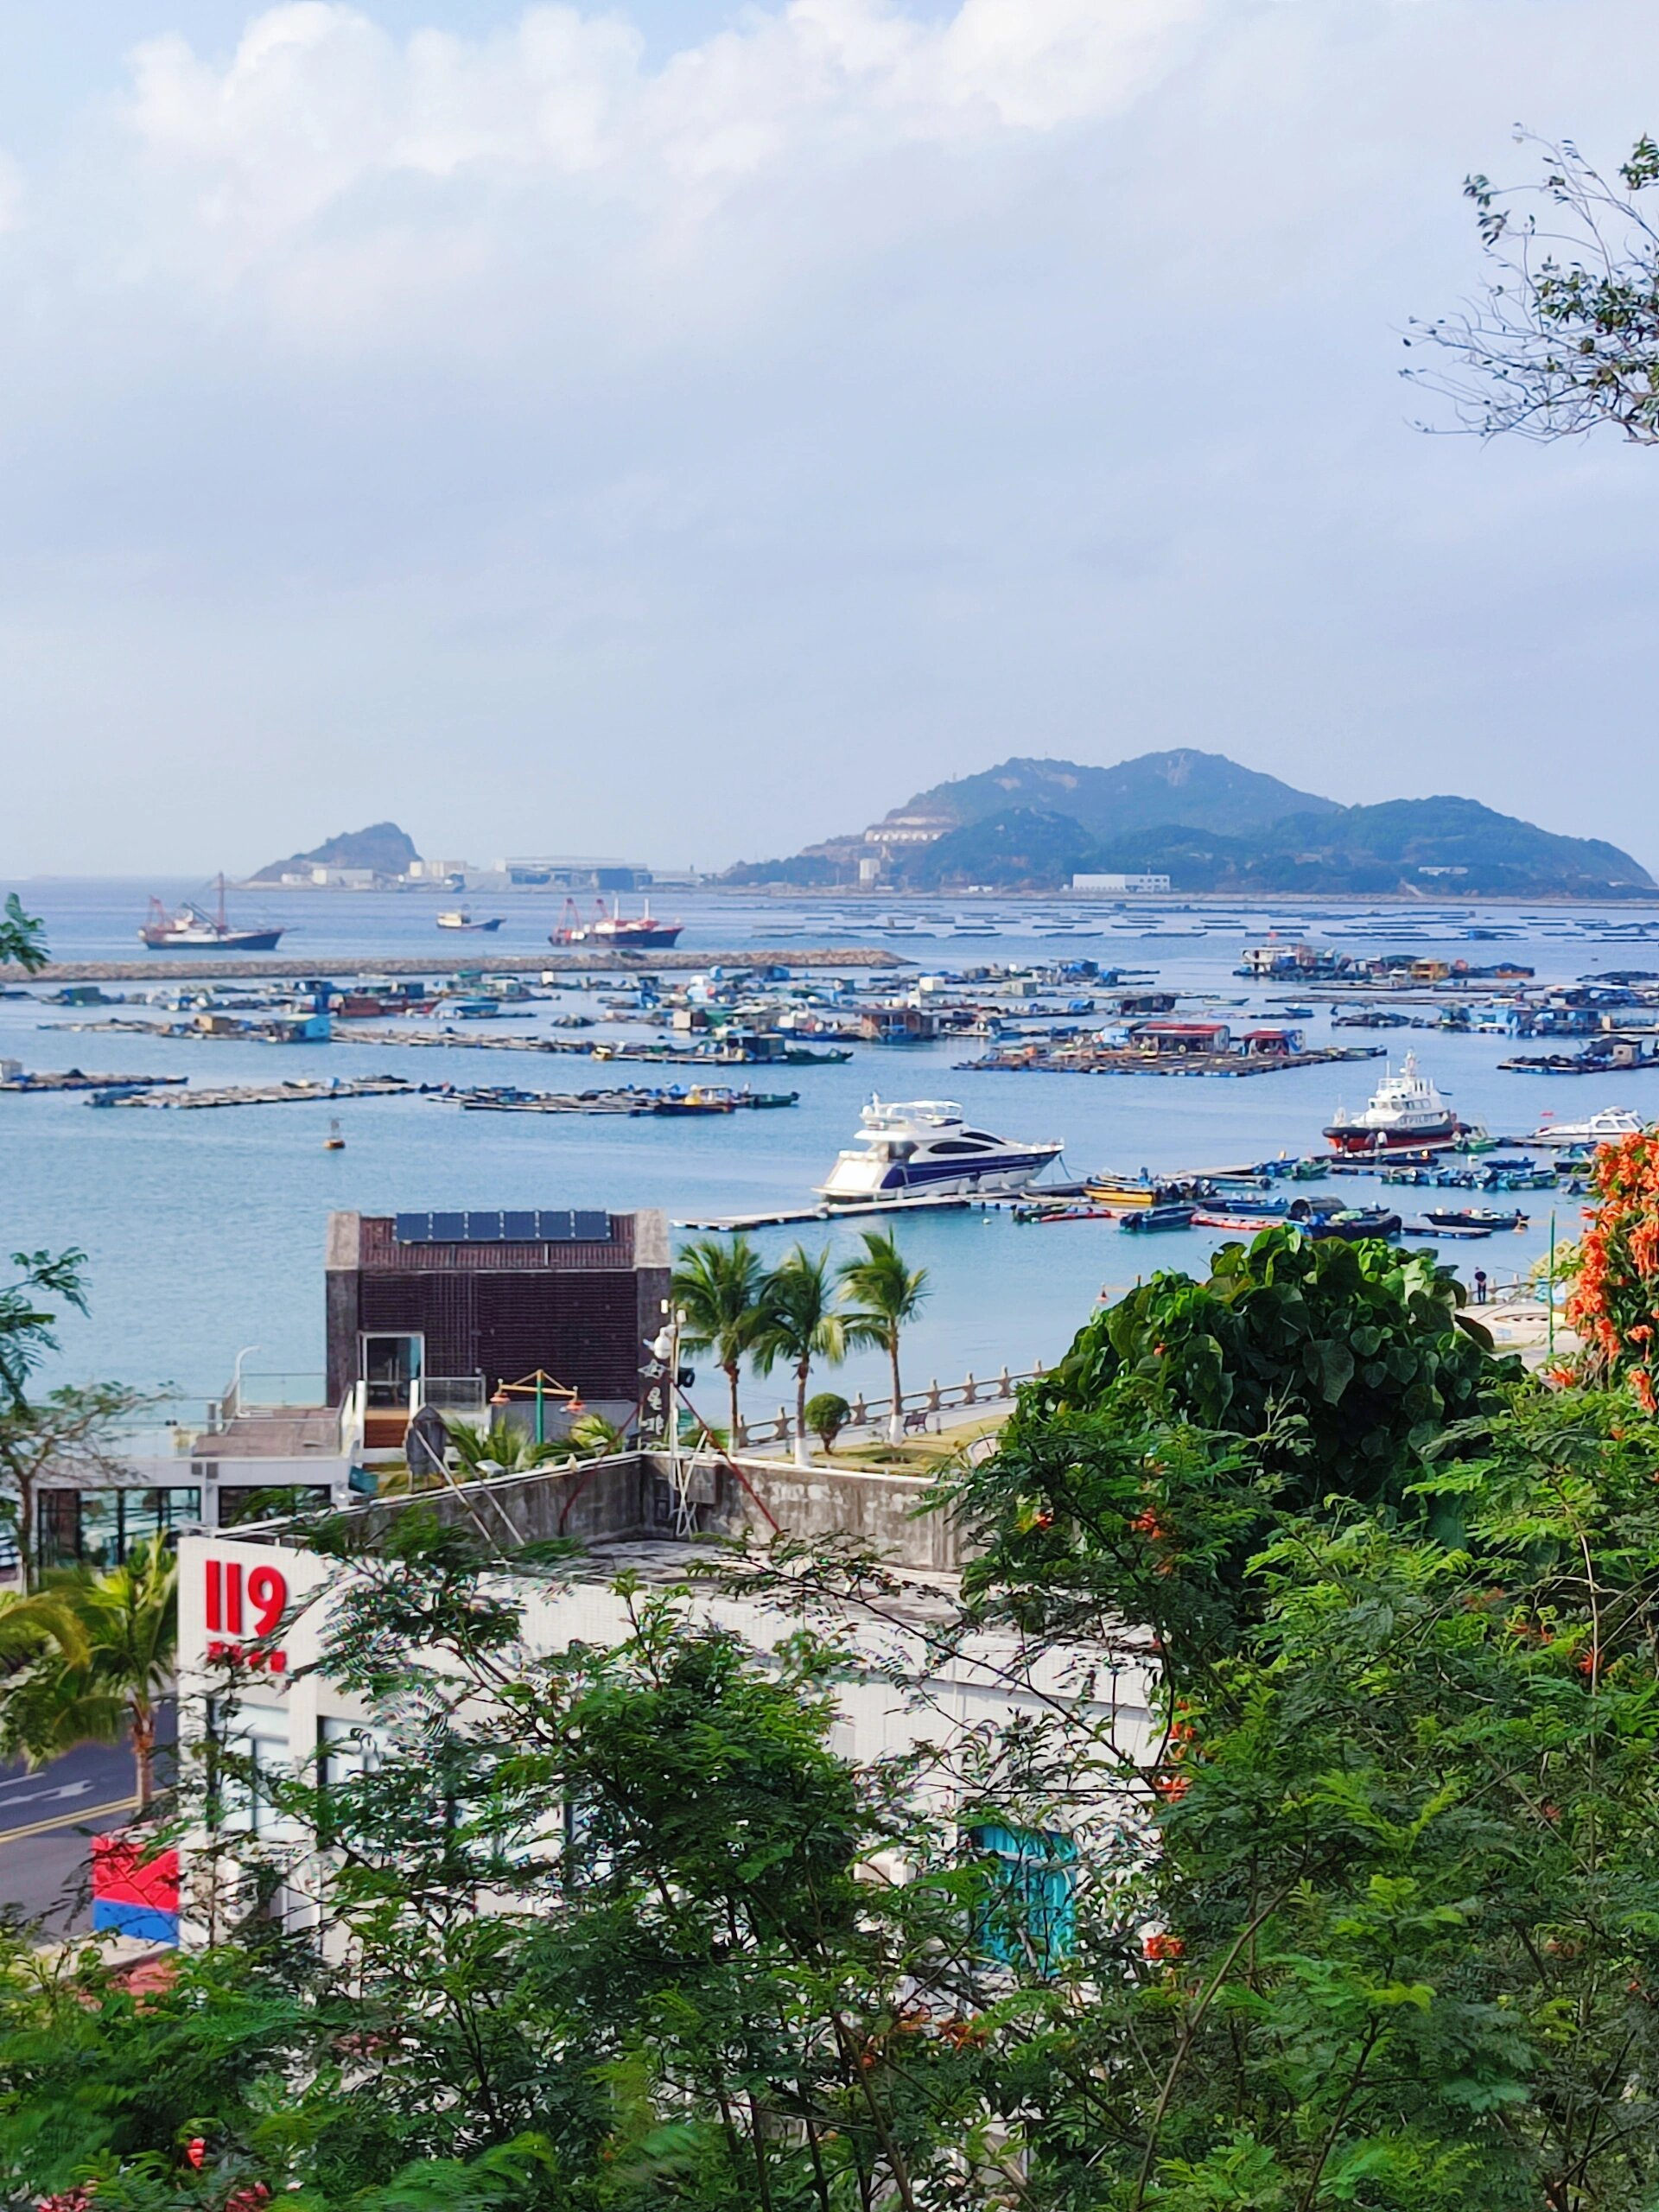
(1352,1137)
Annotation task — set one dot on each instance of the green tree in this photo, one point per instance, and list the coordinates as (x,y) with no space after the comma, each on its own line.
(718,1285)
(23,937)
(798,1324)
(883,1295)
(98,1653)
(1567,337)
(827,1414)
(27,1330)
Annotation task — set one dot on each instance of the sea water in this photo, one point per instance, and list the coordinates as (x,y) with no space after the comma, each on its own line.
(204,1230)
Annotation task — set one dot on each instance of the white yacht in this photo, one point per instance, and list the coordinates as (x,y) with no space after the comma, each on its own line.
(1607,1127)
(1406,1108)
(926,1146)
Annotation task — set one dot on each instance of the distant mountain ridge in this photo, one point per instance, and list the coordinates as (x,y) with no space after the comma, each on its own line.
(1200,791)
(383,847)
(1209,824)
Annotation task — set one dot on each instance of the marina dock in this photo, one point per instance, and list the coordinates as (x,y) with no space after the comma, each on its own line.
(788,1217)
(74,1079)
(300,1090)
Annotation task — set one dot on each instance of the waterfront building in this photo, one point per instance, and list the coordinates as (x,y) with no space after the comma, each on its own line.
(1110,886)
(253,1611)
(177,1466)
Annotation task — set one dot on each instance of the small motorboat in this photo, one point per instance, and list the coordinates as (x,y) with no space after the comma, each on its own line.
(1247,1224)
(1486,1218)
(334,1142)
(459,919)
(1070,1209)
(1352,1224)
(1159,1216)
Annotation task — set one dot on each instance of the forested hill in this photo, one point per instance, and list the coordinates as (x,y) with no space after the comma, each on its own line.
(1208,824)
(1200,791)
(383,847)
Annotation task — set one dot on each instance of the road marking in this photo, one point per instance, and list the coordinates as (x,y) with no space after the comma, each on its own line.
(68,1819)
(62,1789)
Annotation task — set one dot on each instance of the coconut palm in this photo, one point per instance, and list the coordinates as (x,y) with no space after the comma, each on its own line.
(883,1295)
(718,1286)
(798,1324)
(92,1656)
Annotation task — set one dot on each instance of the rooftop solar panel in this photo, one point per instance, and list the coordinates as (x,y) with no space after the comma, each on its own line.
(523,1225)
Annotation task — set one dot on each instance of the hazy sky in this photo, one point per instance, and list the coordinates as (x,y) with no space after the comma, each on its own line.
(687,430)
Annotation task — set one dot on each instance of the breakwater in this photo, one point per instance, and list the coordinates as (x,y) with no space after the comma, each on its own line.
(230,967)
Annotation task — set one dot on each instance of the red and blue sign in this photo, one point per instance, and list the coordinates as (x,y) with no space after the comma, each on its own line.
(133,1893)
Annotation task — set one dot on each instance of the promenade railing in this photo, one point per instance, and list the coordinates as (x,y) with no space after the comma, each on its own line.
(918,1409)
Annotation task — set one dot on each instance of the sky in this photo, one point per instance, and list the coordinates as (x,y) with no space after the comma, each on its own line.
(684,430)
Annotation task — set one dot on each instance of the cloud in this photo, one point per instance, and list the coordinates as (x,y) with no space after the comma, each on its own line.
(691,447)
(338,168)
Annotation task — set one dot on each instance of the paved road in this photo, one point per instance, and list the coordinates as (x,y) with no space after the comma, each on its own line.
(45,1820)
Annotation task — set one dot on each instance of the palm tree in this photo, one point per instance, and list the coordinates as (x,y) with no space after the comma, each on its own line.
(798,1322)
(718,1287)
(504,1448)
(884,1295)
(93,1655)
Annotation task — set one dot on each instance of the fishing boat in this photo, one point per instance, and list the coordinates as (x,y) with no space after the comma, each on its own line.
(925,1145)
(1121,1192)
(1258,1209)
(615,931)
(1161,1217)
(1476,1138)
(1247,1224)
(193,929)
(1352,1223)
(1486,1218)
(1064,1209)
(459,919)
(1406,1110)
(1610,1126)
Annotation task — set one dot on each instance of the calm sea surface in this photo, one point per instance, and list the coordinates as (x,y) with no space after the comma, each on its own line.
(204,1231)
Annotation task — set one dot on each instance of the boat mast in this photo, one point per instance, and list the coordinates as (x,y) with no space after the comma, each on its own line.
(223,925)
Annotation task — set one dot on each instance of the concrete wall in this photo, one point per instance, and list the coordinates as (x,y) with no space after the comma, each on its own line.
(884,1511)
(630,1496)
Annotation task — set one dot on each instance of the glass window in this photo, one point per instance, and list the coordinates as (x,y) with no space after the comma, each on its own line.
(57,1528)
(250,1749)
(347,1749)
(1029,1915)
(98,1528)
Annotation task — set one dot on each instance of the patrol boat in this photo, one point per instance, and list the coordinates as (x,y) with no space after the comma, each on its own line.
(1405,1109)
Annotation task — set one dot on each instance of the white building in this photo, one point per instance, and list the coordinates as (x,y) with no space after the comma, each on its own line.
(1118,886)
(288,1716)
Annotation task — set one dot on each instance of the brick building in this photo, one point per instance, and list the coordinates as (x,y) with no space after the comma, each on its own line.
(432,1307)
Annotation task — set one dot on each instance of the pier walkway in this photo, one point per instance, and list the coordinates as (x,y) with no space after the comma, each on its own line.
(556,960)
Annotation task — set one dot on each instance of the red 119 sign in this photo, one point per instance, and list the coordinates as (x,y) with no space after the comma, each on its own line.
(237,1606)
